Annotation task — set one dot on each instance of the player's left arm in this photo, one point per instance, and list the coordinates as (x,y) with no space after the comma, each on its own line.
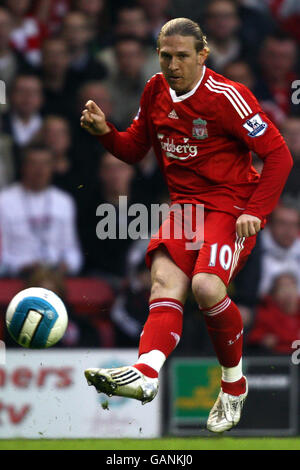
(244,118)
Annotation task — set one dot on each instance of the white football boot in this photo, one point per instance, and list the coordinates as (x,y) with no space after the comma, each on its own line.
(123,382)
(226,411)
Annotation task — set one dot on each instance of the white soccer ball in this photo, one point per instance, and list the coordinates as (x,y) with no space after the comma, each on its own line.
(36,318)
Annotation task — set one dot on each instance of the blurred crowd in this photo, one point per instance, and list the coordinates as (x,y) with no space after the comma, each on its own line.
(57,54)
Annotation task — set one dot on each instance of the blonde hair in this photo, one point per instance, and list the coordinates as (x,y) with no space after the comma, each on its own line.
(184,27)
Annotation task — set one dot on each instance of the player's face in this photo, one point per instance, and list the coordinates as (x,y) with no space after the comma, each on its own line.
(180,63)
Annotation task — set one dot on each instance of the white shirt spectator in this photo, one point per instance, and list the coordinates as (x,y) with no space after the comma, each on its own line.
(277,260)
(37,227)
(24,133)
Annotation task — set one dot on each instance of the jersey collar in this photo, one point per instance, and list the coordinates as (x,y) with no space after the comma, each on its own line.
(177,99)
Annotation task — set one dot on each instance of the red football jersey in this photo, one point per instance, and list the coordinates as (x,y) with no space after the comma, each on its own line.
(202,141)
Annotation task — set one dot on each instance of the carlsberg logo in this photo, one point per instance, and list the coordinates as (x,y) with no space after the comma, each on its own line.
(173,150)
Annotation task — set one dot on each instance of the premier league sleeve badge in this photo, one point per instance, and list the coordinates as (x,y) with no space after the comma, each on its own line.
(256,126)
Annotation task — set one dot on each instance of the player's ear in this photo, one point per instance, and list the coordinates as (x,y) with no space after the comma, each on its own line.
(157,50)
(202,56)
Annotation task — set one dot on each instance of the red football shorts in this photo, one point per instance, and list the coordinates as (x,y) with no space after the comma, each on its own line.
(222,252)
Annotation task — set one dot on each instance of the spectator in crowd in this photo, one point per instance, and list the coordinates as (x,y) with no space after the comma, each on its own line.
(130,309)
(11,62)
(221,25)
(97,13)
(257,5)
(241,72)
(107,256)
(277,250)
(57,79)
(131,21)
(280,245)
(287,14)
(192,9)
(148,183)
(37,220)
(51,13)
(93,9)
(128,82)
(277,64)
(290,130)
(27,33)
(256,24)
(56,135)
(86,149)
(277,321)
(7,163)
(77,32)
(23,121)
(80,333)
(157,12)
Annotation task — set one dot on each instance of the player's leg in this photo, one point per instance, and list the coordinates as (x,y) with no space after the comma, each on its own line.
(219,259)
(159,337)
(225,327)
(163,328)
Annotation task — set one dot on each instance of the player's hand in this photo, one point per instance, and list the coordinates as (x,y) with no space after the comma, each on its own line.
(247,225)
(93,119)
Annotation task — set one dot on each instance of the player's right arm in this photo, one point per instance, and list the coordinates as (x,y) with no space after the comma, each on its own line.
(129,146)
(242,117)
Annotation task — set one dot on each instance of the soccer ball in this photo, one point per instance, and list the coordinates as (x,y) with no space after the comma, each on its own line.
(36,318)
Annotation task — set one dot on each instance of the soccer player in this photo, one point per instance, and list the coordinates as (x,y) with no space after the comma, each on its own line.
(202,127)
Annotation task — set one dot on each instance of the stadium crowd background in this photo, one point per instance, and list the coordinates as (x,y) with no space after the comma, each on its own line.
(57,54)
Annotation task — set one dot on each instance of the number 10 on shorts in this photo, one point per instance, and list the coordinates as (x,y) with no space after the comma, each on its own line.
(225,256)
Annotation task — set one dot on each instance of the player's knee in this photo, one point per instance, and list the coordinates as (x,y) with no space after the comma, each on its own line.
(208,289)
(166,285)
(159,285)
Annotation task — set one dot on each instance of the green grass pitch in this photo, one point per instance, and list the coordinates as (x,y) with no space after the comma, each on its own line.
(213,443)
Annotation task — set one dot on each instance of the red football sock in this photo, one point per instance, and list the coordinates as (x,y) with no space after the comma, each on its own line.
(225,327)
(162,330)
(234,388)
(147,370)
